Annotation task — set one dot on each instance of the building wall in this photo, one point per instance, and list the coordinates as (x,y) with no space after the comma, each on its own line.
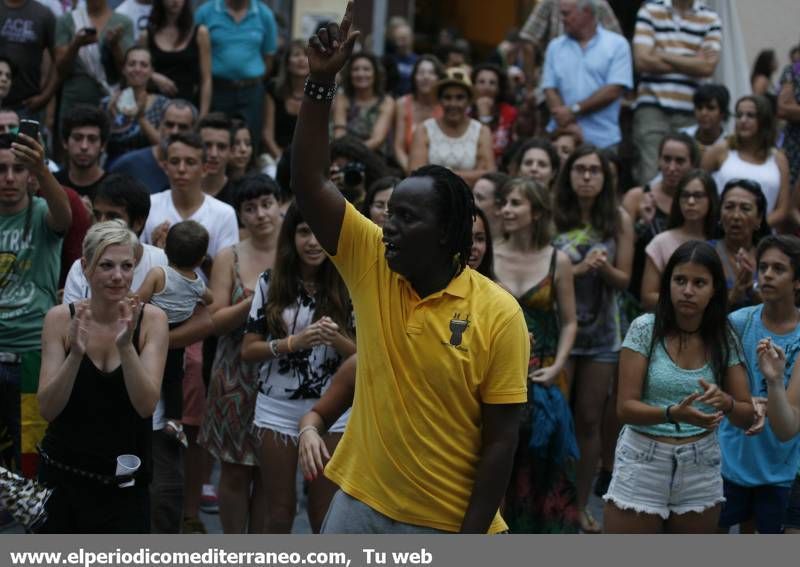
(769,24)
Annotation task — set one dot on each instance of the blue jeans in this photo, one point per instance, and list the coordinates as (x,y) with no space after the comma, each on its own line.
(246,102)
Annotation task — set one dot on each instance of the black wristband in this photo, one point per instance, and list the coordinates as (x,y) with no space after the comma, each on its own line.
(670,419)
(320,91)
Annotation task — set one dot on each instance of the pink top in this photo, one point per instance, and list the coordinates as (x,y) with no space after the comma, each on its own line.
(663,245)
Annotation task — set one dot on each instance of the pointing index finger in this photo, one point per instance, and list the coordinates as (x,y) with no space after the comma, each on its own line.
(347,21)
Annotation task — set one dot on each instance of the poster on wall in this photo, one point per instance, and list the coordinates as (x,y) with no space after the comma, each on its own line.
(309,15)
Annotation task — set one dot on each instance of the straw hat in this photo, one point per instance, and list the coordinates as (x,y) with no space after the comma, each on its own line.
(455,77)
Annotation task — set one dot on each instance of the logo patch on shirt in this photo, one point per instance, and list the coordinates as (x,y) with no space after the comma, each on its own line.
(457,328)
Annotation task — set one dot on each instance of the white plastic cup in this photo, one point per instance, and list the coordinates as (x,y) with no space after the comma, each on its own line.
(127,465)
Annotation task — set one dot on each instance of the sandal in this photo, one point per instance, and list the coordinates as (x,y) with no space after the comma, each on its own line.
(588,524)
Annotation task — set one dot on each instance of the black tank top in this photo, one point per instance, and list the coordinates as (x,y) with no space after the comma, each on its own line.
(99,422)
(284,122)
(183,66)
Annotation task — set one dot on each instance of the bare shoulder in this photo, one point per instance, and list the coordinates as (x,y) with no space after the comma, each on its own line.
(57,314)
(562,261)
(632,196)
(153,317)
(225,256)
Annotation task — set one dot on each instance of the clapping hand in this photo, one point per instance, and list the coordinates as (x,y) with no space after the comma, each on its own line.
(747,266)
(715,397)
(129,309)
(686,413)
(85,36)
(79,329)
(760,418)
(328,330)
(771,361)
(331,46)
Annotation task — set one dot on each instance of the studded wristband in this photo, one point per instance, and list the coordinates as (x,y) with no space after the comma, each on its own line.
(319,91)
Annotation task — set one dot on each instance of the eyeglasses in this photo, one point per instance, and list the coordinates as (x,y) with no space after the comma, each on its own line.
(592,170)
(686,196)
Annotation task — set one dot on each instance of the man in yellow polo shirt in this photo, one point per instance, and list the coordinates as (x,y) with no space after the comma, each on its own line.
(442,351)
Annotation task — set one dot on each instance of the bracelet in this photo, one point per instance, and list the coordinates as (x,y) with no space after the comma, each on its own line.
(273,347)
(320,91)
(289,343)
(733,405)
(668,415)
(308,428)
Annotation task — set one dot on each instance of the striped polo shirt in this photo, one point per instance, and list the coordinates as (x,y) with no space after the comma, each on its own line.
(659,24)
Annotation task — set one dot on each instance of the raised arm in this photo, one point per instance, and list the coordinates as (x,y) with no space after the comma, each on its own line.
(783,402)
(30,153)
(319,201)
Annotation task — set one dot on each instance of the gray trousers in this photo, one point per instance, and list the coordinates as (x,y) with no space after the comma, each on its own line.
(650,125)
(346,515)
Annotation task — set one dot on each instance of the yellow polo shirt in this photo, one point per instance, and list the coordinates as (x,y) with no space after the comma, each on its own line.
(425,366)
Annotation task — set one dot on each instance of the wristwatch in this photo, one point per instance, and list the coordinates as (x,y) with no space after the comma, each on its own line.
(575,109)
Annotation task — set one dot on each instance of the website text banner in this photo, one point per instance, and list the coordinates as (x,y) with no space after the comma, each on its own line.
(396,551)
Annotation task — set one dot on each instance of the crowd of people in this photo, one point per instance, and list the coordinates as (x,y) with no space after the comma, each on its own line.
(456,294)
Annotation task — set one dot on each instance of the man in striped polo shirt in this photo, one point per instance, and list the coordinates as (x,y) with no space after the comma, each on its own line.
(675,48)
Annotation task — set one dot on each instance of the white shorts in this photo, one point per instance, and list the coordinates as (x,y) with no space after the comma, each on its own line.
(658,478)
(283,416)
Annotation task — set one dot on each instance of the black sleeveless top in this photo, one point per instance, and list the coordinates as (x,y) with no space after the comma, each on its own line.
(284,122)
(99,422)
(183,67)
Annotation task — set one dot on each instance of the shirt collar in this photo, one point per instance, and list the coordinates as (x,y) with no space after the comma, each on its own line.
(219,5)
(458,286)
(696,5)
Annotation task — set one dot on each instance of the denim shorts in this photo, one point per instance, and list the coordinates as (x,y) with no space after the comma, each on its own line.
(658,478)
(792,517)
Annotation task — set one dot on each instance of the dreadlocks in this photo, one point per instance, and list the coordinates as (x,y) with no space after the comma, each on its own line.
(456,210)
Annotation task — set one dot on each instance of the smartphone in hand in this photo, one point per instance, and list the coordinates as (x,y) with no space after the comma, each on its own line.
(29,128)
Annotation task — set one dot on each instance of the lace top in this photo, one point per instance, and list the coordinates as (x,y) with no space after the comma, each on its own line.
(456,153)
(667,383)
